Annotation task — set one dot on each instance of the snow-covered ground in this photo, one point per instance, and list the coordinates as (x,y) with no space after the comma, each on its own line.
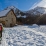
(24,35)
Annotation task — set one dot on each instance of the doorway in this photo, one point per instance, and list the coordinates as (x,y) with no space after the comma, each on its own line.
(11,25)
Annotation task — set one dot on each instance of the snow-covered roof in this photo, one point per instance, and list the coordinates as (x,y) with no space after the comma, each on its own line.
(4,12)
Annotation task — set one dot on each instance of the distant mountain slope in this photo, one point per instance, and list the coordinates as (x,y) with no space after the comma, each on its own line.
(41,20)
(35,15)
(16,10)
(37,11)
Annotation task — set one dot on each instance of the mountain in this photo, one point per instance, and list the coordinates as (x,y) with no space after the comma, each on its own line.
(16,10)
(37,11)
(41,20)
(33,16)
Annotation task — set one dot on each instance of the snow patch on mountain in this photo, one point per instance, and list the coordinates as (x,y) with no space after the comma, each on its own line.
(21,16)
(11,7)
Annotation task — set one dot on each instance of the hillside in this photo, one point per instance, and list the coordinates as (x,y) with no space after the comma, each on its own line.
(31,16)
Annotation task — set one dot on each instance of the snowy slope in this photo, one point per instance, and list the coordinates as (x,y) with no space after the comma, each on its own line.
(41,10)
(24,36)
(39,6)
(41,3)
(16,10)
(37,10)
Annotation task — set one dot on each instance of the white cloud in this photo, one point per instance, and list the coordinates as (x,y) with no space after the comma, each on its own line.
(42,3)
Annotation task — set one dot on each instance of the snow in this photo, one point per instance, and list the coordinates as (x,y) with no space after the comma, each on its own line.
(34,25)
(21,16)
(4,12)
(41,3)
(11,7)
(18,16)
(24,16)
(41,10)
(24,35)
(37,10)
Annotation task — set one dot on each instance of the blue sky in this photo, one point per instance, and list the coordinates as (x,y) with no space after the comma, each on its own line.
(23,5)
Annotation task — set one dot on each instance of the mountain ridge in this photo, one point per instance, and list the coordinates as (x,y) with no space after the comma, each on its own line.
(34,16)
